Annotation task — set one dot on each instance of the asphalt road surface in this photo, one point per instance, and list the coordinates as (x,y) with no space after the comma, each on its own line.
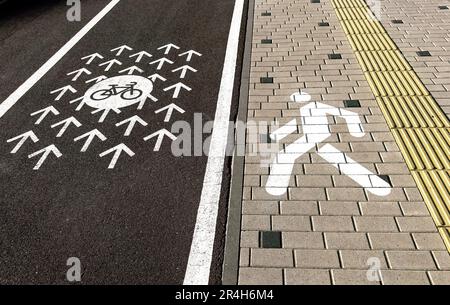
(82,171)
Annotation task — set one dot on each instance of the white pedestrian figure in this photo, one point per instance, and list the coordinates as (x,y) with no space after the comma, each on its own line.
(315,130)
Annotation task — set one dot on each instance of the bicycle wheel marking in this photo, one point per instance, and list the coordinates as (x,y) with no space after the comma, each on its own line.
(118,92)
(114,98)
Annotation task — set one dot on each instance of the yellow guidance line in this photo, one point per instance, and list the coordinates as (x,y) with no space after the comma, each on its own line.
(418,124)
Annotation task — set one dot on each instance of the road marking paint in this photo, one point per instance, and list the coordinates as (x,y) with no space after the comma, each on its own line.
(66,123)
(105,113)
(90,58)
(131,70)
(156,76)
(314,123)
(117,150)
(90,136)
(161,134)
(62,91)
(121,49)
(78,73)
(177,88)
(44,112)
(170,108)
(183,70)
(161,62)
(200,256)
(118,92)
(140,55)
(168,47)
(189,54)
(23,137)
(80,105)
(131,122)
(51,149)
(109,64)
(97,79)
(30,82)
(355,171)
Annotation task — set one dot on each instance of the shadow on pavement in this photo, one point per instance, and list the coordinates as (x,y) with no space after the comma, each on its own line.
(16,8)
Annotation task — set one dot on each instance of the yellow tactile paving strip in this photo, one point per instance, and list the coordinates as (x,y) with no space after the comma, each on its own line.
(419,126)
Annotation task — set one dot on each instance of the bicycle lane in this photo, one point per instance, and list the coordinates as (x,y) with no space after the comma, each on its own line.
(92,176)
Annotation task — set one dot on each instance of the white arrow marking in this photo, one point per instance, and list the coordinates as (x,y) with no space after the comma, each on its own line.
(97,79)
(110,63)
(105,113)
(184,69)
(131,122)
(177,88)
(131,70)
(79,72)
(161,62)
(91,58)
(80,105)
(45,153)
(160,133)
(66,123)
(168,47)
(23,137)
(156,76)
(189,54)
(63,91)
(121,49)
(117,151)
(90,136)
(170,108)
(44,112)
(142,102)
(140,55)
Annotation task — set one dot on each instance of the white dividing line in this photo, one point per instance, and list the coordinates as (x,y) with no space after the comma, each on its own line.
(199,263)
(30,82)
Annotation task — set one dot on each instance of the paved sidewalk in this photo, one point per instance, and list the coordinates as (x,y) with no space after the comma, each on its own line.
(327,228)
(418,26)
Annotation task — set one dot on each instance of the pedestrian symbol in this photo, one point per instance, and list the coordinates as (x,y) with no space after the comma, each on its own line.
(314,122)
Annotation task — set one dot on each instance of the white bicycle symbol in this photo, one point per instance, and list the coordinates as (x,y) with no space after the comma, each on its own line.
(127,92)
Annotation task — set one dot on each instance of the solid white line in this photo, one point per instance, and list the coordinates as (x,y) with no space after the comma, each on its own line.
(200,257)
(30,82)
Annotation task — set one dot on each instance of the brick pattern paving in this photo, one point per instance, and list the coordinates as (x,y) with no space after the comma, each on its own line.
(424,27)
(329,225)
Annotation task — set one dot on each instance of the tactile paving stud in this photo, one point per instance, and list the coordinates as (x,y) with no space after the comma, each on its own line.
(270,239)
(334,56)
(352,103)
(423,53)
(266,80)
(420,128)
(386,178)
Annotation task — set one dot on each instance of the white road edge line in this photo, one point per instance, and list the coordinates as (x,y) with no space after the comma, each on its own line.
(30,82)
(200,257)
